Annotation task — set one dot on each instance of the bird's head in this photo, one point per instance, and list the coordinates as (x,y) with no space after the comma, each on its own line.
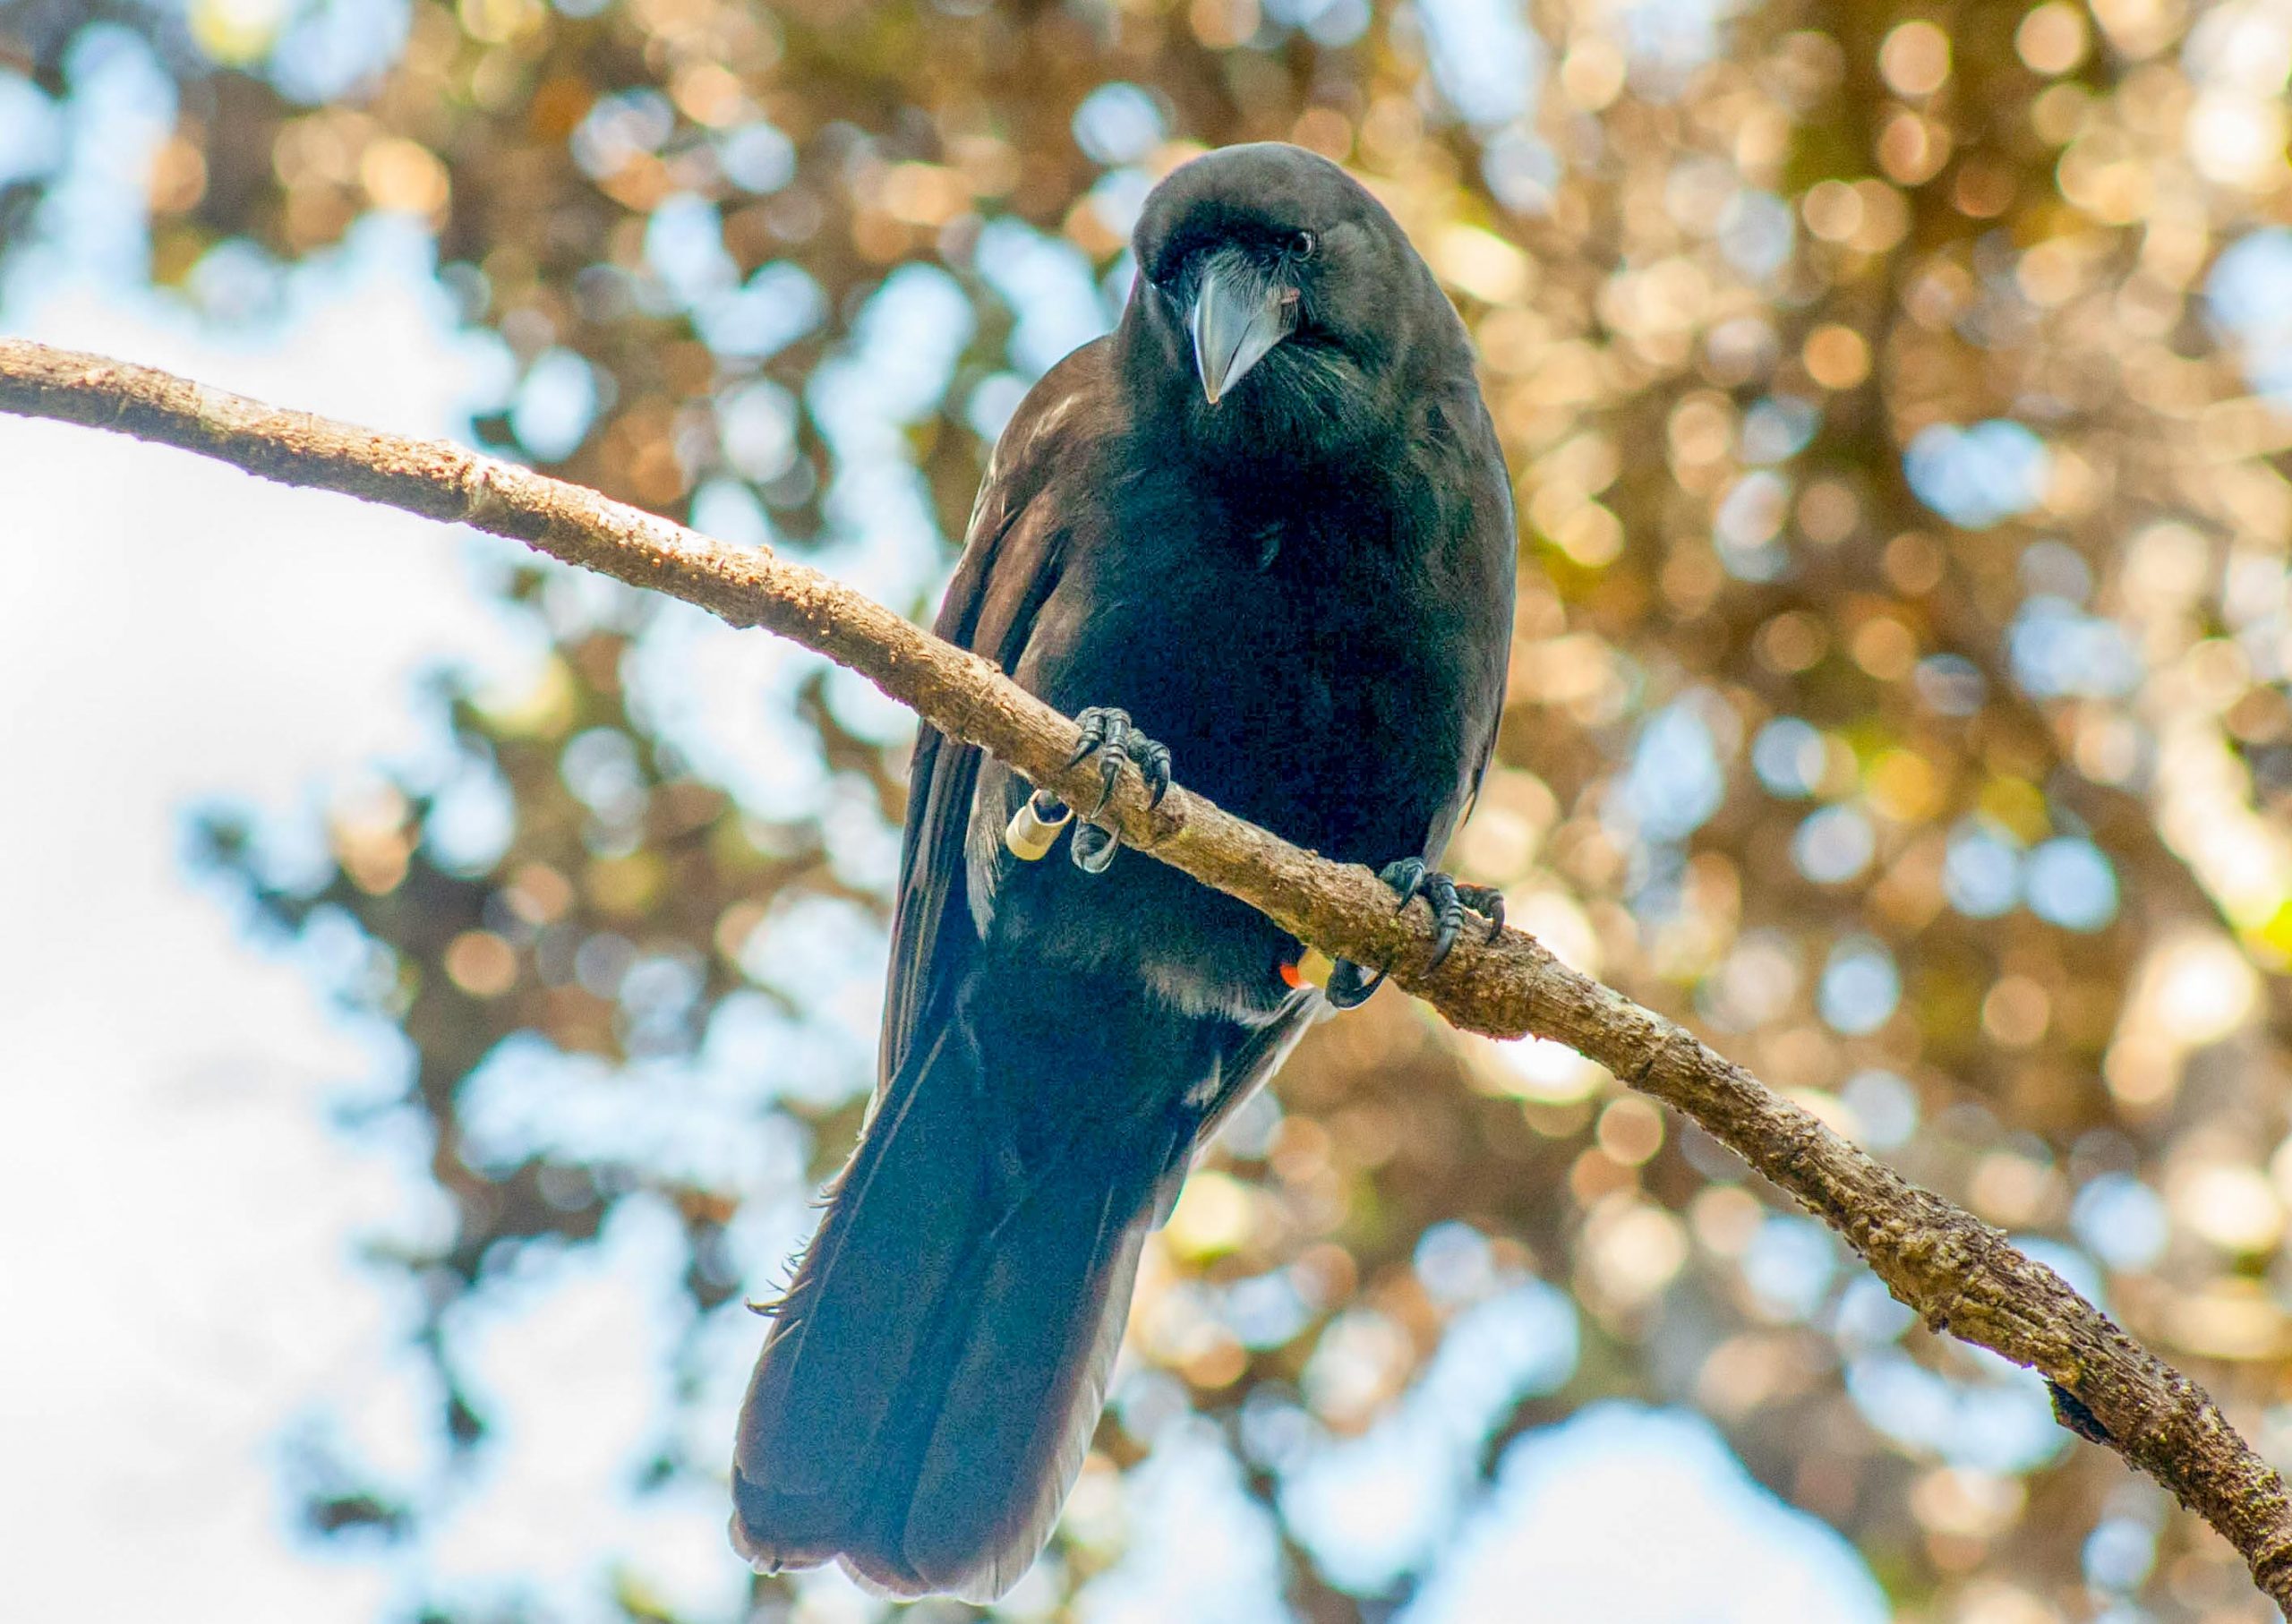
(1282,302)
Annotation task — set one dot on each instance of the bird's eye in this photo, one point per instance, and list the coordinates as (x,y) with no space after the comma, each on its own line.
(1304,245)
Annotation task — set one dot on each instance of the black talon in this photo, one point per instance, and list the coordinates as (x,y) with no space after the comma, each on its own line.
(1155,768)
(1409,879)
(1094,723)
(1488,902)
(1111,755)
(1346,989)
(1448,918)
(1093,848)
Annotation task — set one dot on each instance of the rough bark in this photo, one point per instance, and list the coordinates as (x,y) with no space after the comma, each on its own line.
(1961,1276)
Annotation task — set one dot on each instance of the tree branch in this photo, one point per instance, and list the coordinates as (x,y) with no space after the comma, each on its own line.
(1961,1275)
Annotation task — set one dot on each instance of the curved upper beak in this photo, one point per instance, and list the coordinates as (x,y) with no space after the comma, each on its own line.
(1239,314)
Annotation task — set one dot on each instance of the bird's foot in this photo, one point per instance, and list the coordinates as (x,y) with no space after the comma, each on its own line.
(1349,985)
(1108,734)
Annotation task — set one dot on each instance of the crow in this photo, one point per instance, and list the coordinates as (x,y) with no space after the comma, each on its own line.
(1263,530)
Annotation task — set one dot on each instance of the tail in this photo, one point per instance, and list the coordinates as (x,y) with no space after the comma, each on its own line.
(933,1378)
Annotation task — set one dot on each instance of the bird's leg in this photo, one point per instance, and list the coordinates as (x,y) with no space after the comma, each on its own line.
(1409,879)
(1106,733)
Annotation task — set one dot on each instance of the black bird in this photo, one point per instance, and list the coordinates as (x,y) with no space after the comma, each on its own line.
(1263,528)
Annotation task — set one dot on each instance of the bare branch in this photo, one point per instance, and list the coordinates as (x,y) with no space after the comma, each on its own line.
(1961,1275)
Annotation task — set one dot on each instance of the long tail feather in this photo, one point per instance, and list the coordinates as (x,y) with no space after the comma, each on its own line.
(930,1384)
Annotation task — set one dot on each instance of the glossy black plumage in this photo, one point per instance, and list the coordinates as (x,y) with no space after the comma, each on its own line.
(1304,591)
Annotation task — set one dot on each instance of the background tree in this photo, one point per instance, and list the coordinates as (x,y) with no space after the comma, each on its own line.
(1898,398)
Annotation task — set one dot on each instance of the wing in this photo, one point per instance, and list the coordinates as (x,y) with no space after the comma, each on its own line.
(1010,562)
(1479,569)
(1494,521)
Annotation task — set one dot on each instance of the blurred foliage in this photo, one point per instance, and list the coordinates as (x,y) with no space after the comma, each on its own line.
(1900,397)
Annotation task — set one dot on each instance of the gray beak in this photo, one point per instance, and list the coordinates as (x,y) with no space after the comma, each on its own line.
(1239,314)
